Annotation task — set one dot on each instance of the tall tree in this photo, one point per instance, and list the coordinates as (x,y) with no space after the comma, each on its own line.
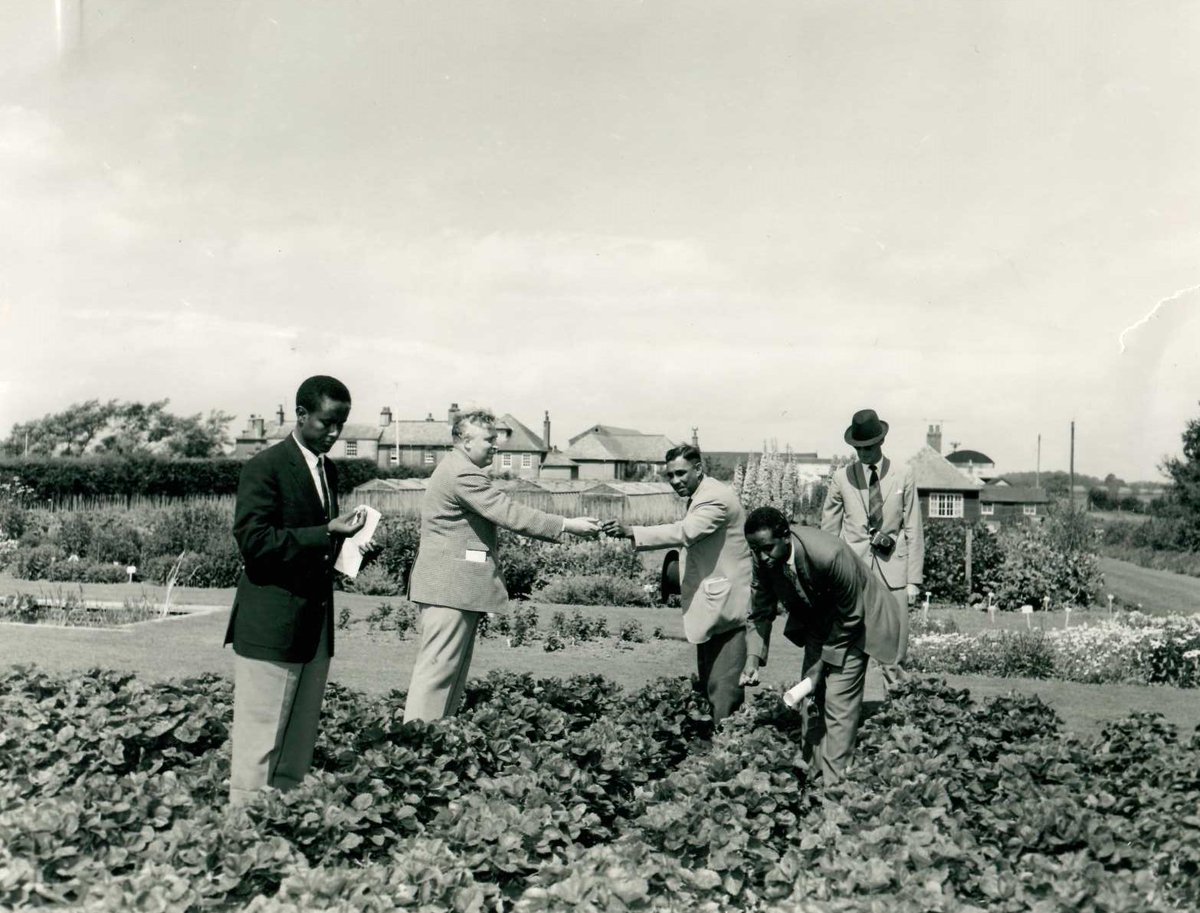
(116,428)
(1184,473)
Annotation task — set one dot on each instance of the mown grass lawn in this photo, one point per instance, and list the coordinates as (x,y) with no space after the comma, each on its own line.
(378,662)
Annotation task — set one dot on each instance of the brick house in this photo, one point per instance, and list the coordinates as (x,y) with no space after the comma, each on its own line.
(519,451)
(620,454)
(1003,503)
(944,491)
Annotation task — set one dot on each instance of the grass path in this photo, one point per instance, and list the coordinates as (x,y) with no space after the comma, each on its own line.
(1159,592)
(380,662)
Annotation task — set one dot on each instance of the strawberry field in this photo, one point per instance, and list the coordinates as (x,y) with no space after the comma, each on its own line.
(574,795)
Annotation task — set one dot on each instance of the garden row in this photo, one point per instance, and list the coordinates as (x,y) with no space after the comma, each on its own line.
(1130,648)
(566,795)
(1055,559)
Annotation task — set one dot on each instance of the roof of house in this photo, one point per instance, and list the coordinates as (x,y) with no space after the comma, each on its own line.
(968,456)
(606,444)
(932,472)
(520,437)
(1013,494)
(557,458)
(603,429)
(416,434)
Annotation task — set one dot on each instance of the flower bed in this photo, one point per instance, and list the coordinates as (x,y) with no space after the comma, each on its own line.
(1132,648)
(554,796)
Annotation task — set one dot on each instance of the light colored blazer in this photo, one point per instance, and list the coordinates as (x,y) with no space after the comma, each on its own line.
(457,565)
(845,515)
(715,562)
(833,602)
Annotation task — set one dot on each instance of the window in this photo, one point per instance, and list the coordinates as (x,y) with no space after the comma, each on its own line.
(351,448)
(945,506)
(1030,510)
(429,458)
(527,461)
(506,461)
(987,509)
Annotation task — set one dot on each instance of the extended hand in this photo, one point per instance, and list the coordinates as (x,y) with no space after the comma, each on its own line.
(914,593)
(587,527)
(616,530)
(348,524)
(749,676)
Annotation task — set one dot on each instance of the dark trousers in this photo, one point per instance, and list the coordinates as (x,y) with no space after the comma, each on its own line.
(720,661)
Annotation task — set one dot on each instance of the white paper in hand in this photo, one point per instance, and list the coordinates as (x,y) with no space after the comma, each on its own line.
(793,696)
(349,559)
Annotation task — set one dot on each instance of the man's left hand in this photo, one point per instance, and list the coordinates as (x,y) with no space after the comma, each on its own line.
(914,594)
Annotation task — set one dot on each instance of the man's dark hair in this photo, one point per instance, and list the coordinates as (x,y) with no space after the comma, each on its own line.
(319,387)
(685,452)
(767,518)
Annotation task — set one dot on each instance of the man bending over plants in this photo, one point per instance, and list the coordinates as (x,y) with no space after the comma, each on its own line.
(715,584)
(838,612)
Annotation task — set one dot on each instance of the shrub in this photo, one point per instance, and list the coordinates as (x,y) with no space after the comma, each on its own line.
(199,570)
(190,527)
(593,589)
(397,539)
(86,572)
(945,560)
(529,564)
(32,563)
(631,632)
(372,580)
(1055,559)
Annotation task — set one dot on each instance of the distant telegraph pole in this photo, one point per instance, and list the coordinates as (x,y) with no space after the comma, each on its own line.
(1037,476)
(1072,482)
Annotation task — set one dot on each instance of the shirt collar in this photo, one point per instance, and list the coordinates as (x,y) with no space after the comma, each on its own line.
(309,457)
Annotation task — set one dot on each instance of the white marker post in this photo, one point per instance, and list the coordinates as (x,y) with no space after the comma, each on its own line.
(925,611)
(1027,611)
(1110,603)
(991,609)
(1067,617)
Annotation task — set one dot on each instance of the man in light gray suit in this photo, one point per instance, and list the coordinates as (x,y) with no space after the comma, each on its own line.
(457,576)
(715,584)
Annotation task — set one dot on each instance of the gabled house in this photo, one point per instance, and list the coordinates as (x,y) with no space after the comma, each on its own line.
(1003,503)
(622,454)
(519,452)
(358,440)
(944,492)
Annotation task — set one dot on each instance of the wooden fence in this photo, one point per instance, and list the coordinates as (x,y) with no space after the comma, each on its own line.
(128,502)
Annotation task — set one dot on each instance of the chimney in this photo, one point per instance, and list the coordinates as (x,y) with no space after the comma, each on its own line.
(934,437)
(452,414)
(259,424)
(696,437)
(546,430)
(385,417)
(429,417)
(279,415)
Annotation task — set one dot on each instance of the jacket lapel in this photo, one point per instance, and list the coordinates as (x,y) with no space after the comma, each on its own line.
(303,477)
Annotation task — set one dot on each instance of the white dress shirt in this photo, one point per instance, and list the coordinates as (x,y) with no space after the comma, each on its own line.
(316,467)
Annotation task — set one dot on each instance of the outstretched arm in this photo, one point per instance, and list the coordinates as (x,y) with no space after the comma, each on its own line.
(476,492)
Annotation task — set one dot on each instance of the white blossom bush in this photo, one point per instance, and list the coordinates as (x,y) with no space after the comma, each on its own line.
(1133,648)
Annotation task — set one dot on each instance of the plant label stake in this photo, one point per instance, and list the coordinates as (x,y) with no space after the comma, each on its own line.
(1027,611)
(1110,602)
(1067,616)
(991,609)
(925,610)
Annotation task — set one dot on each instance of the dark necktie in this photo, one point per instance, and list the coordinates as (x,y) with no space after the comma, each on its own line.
(324,488)
(875,511)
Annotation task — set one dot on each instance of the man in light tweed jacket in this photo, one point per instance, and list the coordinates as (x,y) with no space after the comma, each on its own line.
(715,585)
(456,576)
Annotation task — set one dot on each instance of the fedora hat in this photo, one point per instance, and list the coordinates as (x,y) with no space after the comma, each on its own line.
(866,429)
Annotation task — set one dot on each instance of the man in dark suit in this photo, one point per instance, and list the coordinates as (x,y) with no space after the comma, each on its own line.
(288,532)
(837,611)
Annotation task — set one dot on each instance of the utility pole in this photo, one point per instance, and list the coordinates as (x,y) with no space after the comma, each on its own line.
(1072,482)
(68,27)
(1037,476)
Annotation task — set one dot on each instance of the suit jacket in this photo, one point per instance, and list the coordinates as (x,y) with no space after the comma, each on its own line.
(715,563)
(457,565)
(845,514)
(833,601)
(285,592)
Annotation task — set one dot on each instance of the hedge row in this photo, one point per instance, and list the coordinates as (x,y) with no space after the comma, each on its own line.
(56,479)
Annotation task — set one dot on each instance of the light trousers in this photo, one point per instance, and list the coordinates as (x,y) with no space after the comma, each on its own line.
(443,659)
(276,707)
(844,687)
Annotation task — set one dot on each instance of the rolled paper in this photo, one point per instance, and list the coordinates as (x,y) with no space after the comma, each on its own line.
(794,695)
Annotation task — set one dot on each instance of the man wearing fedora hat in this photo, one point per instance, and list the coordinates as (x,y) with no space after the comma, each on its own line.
(872,505)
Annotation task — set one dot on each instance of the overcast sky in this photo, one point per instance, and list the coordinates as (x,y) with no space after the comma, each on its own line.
(751,218)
